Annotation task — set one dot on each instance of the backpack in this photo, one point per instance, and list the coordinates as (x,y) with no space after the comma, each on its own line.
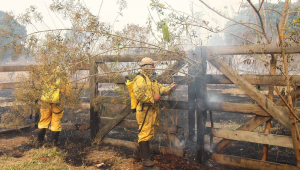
(51,92)
(129,84)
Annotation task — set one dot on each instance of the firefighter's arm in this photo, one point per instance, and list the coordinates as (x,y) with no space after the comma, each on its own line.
(142,91)
(166,90)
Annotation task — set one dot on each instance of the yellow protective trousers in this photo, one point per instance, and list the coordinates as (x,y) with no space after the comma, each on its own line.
(151,123)
(47,116)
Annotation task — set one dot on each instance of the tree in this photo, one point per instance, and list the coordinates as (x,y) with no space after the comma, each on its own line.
(240,34)
(11,36)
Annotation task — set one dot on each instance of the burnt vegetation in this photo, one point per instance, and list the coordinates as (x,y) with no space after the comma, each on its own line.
(226,90)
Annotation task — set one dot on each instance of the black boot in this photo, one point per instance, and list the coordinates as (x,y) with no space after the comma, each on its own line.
(55,136)
(136,153)
(40,137)
(145,154)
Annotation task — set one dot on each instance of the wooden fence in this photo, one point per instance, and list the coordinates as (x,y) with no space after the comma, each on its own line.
(198,103)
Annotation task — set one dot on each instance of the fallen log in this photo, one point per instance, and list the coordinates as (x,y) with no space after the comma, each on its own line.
(133,145)
(16,130)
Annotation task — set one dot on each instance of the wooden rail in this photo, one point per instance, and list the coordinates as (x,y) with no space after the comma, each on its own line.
(253,49)
(254,137)
(210,79)
(249,163)
(251,109)
(24,68)
(218,79)
(134,57)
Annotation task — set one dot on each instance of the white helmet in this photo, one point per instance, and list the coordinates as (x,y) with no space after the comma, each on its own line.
(146,61)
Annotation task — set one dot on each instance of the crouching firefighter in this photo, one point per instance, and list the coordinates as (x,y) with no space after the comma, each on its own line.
(145,94)
(51,111)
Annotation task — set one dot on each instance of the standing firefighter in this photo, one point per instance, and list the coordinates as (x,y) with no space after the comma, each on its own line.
(147,93)
(54,85)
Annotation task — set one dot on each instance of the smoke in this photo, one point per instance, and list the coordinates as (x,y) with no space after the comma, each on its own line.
(214,98)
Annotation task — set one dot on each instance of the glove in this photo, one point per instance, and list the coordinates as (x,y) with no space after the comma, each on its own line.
(173,86)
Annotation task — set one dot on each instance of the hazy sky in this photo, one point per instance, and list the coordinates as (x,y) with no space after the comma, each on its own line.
(136,12)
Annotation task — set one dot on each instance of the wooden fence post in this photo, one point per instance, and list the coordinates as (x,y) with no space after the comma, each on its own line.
(271,97)
(201,93)
(93,88)
(191,100)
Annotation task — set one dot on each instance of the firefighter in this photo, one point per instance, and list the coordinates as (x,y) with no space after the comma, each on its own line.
(148,92)
(51,111)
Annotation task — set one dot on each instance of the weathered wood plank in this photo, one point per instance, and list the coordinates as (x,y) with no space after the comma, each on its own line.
(65,126)
(277,80)
(219,79)
(133,145)
(253,49)
(210,79)
(14,84)
(116,120)
(191,98)
(254,137)
(248,126)
(93,88)
(249,163)
(127,123)
(133,57)
(168,104)
(201,100)
(237,108)
(23,68)
(24,128)
(182,105)
(252,92)
(8,85)
(13,68)
(7,103)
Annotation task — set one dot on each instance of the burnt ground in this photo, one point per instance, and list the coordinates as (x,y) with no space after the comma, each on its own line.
(80,152)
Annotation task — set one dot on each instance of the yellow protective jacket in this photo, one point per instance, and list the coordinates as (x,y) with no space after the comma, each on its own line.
(54,85)
(51,112)
(144,92)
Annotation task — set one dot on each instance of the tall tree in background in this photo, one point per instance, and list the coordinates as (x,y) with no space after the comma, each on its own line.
(12,34)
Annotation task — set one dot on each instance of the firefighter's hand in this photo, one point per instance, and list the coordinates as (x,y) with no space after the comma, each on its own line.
(173,86)
(157,97)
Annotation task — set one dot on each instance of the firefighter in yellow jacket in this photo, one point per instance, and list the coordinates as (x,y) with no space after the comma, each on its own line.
(51,112)
(148,93)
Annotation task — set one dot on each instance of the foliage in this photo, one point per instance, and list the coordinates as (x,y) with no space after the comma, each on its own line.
(69,49)
(11,36)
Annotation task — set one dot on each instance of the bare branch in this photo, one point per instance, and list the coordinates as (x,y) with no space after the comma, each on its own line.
(242,23)
(292,12)
(260,5)
(261,21)
(240,37)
